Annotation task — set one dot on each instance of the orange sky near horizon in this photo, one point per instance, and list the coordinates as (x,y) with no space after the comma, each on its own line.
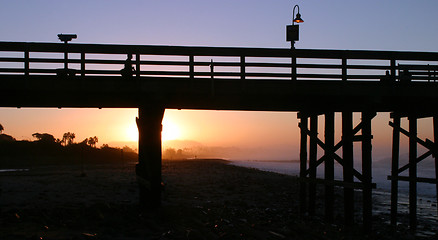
(213,128)
(262,134)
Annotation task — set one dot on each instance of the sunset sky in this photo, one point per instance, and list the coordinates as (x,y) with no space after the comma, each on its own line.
(349,24)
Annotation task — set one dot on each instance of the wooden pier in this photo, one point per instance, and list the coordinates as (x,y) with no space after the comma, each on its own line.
(315,83)
(308,171)
(414,160)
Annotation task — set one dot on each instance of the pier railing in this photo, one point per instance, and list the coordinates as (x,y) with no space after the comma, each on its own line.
(18,58)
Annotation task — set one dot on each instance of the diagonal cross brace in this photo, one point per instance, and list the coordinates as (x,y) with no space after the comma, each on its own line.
(357,174)
(336,147)
(427,144)
(419,159)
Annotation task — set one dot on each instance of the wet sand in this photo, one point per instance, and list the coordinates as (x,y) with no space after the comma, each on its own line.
(203,199)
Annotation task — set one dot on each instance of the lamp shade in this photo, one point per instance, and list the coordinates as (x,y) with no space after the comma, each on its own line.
(298,18)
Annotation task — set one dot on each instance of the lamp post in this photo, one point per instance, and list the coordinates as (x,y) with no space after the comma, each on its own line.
(66,38)
(292,31)
(292,36)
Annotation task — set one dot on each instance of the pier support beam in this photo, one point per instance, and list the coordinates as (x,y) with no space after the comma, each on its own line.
(435,152)
(394,168)
(303,161)
(329,165)
(413,172)
(367,169)
(414,160)
(313,154)
(347,154)
(148,169)
(309,164)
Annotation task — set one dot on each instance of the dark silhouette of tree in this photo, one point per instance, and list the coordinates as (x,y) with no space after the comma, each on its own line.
(127,149)
(44,137)
(64,139)
(84,142)
(67,138)
(105,146)
(92,141)
(6,138)
(171,153)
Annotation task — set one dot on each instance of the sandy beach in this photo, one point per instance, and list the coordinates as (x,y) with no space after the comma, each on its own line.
(202,199)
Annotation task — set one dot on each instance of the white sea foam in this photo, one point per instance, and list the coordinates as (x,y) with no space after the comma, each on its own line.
(13,170)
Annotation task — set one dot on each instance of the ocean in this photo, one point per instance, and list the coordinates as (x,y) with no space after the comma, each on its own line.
(380,173)
(426,193)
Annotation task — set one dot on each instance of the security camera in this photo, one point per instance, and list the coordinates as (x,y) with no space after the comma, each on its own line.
(67,37)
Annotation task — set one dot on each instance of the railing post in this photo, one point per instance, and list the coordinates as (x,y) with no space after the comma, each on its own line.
(212,77)
(393,71)
(294,65)
(428,73)
(137,65)
(82,64)
(66,56)
(243,72)
(26,63)
(191,69)
(344,68)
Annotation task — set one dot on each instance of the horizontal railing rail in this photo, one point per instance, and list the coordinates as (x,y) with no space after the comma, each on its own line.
(18,58)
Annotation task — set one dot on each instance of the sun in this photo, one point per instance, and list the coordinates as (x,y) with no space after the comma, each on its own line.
(170,131)
(132,132)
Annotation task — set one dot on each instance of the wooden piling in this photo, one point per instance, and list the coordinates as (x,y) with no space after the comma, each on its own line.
(148,169)
(313,148)
(394,167)
(347,149)
(367,169)
(329,164)
(303,161)
(435,151)
(412,172)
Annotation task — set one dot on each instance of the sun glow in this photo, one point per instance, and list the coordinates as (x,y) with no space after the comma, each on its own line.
(132,132)
(170,131)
